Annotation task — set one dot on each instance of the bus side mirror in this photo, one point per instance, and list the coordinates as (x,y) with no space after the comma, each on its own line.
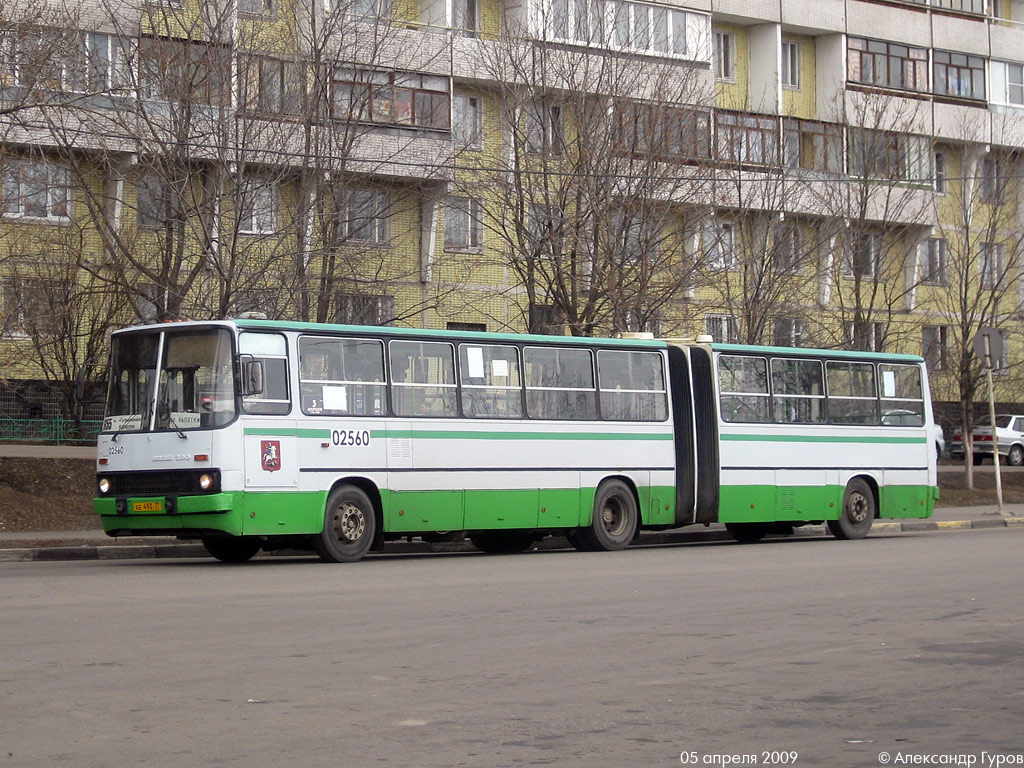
(251,371)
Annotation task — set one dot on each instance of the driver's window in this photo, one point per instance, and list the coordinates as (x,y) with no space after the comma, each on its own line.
(271,350)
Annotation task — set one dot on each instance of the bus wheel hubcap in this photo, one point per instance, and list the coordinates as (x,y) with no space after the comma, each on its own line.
(612,517)
(349,523)
(857,507)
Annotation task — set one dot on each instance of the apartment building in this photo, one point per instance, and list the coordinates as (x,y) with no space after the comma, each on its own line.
(829,172)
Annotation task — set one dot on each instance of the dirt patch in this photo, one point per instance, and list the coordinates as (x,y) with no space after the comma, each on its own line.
(47,494)
(56,494)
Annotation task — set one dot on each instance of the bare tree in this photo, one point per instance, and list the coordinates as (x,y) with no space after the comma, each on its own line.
(973,262)
(600,152)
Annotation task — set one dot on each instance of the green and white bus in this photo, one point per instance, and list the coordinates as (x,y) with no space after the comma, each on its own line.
(249,434)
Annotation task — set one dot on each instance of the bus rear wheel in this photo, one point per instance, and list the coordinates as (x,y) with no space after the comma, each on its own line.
(858,512)
(747,533)
(615,519)
(231,549)
(501,542)
(349,526)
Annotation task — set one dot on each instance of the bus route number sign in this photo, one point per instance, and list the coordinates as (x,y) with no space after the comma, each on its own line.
(348,437)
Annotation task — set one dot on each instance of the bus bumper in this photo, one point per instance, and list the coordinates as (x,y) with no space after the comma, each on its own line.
(170,515)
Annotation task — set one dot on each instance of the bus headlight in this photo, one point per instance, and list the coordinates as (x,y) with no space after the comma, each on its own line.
(104,485)
(205,482)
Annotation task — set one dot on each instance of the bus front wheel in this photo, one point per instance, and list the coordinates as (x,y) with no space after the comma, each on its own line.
(614,522)
(349,526)
(858,512)
(231,549)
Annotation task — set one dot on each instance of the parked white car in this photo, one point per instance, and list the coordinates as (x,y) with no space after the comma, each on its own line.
(1009,429)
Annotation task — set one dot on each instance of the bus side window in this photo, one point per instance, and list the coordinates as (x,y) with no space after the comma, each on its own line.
(632,386)
(902,396)
(798,391)
(743,386)
(852,394)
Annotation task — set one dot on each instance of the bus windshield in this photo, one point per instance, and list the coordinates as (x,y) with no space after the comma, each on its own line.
(193,388)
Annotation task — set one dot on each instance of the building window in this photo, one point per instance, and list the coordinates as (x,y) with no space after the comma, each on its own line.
(790,64)
(182,71)
(941,173)
(742,138)
(992,265)
(724,56)
(36,189)
(468,128)
(662,131)
(993,180)
(864,256)
(357,309)
(272,86)
(889,155)
(34,306)
(544,128)
(101,64)
(366,215)
(813,146)
(957,74)
(865,336)
(546,319)
(400,98)
(466,17)
(150,200)
(256,7)
(720,245)
(257,206)
(887,65)
(628,26)
(1015,84)
(463,226)
(722,328)
(786,247)
(935,258)
(935,346)
(459,326)
(362,9)
(788,332)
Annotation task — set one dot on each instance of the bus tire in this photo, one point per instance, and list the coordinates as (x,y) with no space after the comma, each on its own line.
(501,542)
(858,512)
(349,526)
(615,518)
(231,549)
(747,533)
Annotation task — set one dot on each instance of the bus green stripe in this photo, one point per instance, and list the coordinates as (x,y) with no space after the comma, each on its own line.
(820,439)
(441,434)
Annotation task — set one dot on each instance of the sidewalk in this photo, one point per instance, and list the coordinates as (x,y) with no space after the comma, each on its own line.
(96,545)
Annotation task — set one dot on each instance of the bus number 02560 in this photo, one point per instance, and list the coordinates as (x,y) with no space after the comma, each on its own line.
(357,437)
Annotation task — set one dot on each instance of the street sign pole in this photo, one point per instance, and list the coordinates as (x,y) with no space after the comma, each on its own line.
(992,420)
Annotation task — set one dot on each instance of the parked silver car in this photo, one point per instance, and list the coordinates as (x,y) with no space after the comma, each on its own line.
(1009,429)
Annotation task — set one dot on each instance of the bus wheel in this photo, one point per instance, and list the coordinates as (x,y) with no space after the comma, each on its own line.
(501,542)
(747,533)
(349,526)
(858,512)
(615,518)
(231,549)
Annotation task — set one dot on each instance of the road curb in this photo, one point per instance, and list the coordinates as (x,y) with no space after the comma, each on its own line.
(191,549)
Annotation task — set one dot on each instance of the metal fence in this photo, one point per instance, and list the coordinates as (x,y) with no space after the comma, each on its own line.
(49,430)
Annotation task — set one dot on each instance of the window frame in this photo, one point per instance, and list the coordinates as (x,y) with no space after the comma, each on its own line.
(385,409)
(791,63)
(724,66)
(914,78)
(57,192)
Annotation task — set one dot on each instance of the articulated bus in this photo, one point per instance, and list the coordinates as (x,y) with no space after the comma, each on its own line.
(249,435)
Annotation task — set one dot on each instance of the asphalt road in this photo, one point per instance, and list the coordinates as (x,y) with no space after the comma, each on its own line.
(837,651)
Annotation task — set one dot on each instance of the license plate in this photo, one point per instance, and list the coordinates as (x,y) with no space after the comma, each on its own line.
(147,506)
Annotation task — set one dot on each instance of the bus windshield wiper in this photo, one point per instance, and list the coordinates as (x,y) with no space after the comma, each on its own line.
(164,411)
